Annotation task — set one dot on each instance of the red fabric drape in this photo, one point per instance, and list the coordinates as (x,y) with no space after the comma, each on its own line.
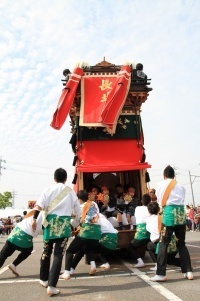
(66,99)
(110,155)
(116,99)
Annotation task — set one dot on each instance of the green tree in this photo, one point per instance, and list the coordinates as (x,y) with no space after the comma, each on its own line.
(5,200)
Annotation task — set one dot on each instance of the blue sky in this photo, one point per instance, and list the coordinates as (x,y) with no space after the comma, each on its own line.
(38,39)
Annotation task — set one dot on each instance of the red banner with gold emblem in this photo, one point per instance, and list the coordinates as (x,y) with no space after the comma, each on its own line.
(94,93)
(103,97)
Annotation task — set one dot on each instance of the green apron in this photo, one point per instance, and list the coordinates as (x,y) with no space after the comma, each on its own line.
(174,215)
(90,231)
(20,238)
(141,232)
(109,240)
(172,246)
(58,227)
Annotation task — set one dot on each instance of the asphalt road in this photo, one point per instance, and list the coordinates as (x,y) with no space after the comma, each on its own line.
(121,283)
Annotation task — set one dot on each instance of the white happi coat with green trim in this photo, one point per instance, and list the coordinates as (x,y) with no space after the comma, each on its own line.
(59,216)
(141,215)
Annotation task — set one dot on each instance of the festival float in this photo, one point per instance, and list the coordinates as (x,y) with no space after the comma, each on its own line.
(104,104)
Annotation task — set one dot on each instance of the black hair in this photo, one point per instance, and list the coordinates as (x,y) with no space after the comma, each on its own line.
(126,187)
(146,199)
(153,208)
(60,175)
(131,187)
(82,195)
(119,185)
(169,172)
(90,180)
(96,188)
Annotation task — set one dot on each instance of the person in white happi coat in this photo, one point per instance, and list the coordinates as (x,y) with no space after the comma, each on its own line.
(173,221)
(59,202)
(88,233)
(20,239)
(106,243)
(142,236)
(152,226)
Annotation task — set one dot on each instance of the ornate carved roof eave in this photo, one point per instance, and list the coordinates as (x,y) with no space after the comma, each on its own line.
(135,100)
(104,63)
(103,66)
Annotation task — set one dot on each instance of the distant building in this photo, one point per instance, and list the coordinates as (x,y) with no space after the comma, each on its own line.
(31,204)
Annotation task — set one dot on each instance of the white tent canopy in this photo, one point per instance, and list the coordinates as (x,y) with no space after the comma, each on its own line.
(4,213)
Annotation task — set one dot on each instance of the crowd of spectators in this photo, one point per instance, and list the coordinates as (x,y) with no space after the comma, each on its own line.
(7,224)
(193,218)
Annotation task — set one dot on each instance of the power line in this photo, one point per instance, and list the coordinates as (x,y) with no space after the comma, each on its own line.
(1,166)
(31,172)
(191,182)
(14,194)
(36,166)
(186,170)
(35,195)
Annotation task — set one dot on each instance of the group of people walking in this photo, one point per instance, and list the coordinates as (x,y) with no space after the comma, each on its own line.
(94,233)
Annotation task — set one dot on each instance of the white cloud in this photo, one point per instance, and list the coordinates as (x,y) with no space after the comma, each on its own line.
(37,44)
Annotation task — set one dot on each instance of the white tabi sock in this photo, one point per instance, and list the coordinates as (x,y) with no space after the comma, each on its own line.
(140,261)
(92,265)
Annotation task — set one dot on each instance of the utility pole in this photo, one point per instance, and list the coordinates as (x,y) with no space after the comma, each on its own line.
(14,194)
(191,189)
(1,166)
(191,182)
(176,173)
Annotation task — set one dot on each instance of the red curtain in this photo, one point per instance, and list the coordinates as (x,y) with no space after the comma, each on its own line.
(107,156)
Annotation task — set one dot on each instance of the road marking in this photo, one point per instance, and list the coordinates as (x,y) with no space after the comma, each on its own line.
(160,289)
(4,269)
(19,281)
(135,272)
(74,278)
(193,246)
(157,286)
